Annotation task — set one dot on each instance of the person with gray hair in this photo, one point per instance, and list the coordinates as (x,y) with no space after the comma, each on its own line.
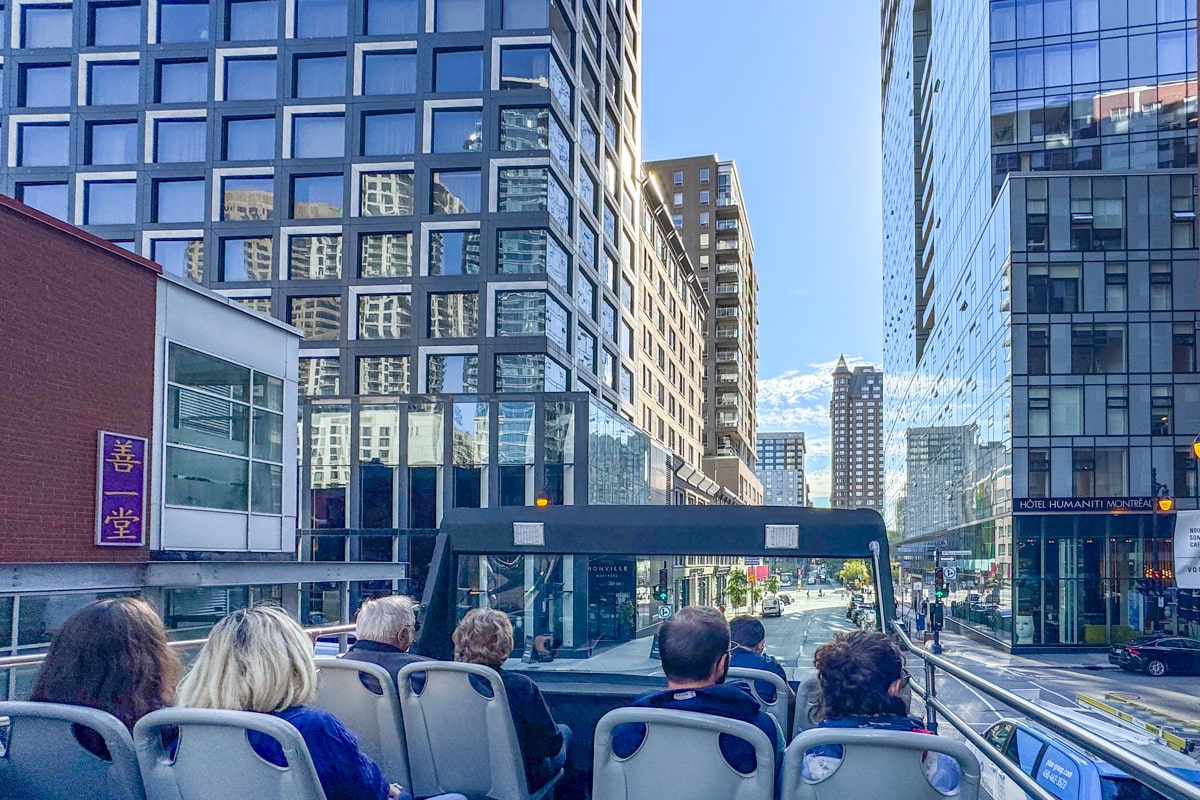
(385,627)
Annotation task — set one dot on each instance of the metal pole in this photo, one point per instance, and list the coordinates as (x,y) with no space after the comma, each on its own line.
(936,648)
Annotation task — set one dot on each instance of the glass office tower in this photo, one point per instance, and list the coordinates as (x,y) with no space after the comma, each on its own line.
(1040,308)
(442,194)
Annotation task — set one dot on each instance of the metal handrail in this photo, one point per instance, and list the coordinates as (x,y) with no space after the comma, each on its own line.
(1149,773)
(33,659)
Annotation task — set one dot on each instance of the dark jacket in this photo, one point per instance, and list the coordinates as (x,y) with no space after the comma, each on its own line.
(729,700)
(743,658)
(390,657)
(345,772)
(537,733)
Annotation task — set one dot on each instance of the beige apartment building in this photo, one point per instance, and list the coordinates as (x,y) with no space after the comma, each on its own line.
(704,198)
(671,314)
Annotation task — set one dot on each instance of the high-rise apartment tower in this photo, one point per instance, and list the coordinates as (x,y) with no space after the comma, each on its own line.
(856,434)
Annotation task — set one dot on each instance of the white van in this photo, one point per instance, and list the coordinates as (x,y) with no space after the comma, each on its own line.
(771,607)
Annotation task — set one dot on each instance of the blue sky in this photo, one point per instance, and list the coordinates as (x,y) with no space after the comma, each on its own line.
(790,91)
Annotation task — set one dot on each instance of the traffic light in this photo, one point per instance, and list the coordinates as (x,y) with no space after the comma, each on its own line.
(939,584)
(660,591)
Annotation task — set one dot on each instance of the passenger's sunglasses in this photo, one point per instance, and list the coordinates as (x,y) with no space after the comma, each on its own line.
(905,678)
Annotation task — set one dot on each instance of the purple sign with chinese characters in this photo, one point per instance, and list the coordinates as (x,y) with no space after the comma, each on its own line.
(121,490)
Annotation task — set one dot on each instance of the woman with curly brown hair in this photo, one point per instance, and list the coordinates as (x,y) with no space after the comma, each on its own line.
(485,636)
(111,655)
(864,684)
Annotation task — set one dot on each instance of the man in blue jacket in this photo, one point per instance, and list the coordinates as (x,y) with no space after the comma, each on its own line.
(749,639)
(694,645)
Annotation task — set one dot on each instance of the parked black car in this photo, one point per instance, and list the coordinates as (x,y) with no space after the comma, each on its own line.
(1157,655)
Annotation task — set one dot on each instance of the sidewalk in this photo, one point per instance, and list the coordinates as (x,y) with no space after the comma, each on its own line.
(964,646)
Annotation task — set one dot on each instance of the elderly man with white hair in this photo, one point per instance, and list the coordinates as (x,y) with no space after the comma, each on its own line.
(385,627)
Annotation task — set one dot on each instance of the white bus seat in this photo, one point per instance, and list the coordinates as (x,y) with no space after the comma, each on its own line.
(779,709)
(459,740)
(42,759)
(877,763)
(679,759)
(374,718)
(808,706)
(212,758)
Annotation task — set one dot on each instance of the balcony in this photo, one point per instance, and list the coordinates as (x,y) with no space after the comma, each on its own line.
(729,357)
(733,243)
(727,377)
(728,332)
(729,400)
(727,225)
(728,420)
(729,269)
(731,312)
(729,288)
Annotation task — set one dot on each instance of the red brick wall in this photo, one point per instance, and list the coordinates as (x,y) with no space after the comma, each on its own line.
(76,357)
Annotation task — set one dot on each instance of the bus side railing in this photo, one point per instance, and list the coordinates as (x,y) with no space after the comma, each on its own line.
(1142,769)
(33,659)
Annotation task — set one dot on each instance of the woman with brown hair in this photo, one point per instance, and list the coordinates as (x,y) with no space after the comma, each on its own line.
(111,655)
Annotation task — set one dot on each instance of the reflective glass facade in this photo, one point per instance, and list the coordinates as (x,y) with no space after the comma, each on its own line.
(1040,306)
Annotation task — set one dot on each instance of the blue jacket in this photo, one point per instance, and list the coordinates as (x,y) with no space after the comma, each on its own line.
(346,773)
(743,658)
(729,700)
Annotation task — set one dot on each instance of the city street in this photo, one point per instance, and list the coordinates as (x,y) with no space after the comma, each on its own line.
(1055,679)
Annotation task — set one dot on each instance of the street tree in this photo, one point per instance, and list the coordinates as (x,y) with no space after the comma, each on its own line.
(737,588)
(854,573)
(773,584)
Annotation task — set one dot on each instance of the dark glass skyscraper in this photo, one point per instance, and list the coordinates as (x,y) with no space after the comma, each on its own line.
(1040,303)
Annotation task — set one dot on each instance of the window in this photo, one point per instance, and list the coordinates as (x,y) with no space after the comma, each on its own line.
(320,18)
(458,15)
(677,179)
(389,73)
(383,375)
(385,255)
(223,423)
(250,139)
(1039,473)
(320,376)
(320,76)
(46,26)
(179,200)
(1162,409)
(113,83)
(457,130)
(384,316)
(1097,349)
(247,259)
(110,203)
(251,79)
(1099,471)
(386,194)
(46,86)
(182,257)
(522,373)
(453,374)
(585,349)
(389,134)
(182,21)
(1053,290)
(532,251)
(112,143)
(319,317)
(1185,483)
(179,140)
(318,136)
(253,20)
(390,17)
(458,71)
(115,24)
(248,198)
(1183,347)
(44,144)
(524,67)
(1116,287)
(453,315)
(455,192)
(704,174)
(520,313)
(1116,409)
(49,198)
(183,81)
(704,217)
(454,252)
(315,257)
(316,196)
(1160,286)
(1097,223)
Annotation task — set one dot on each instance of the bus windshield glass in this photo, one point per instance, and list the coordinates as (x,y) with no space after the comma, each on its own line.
(600,612)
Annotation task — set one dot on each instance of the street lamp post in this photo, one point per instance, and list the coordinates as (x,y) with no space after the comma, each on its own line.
(1162,502)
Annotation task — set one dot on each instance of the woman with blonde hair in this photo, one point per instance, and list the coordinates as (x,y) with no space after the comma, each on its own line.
(260,659)
(485,636)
